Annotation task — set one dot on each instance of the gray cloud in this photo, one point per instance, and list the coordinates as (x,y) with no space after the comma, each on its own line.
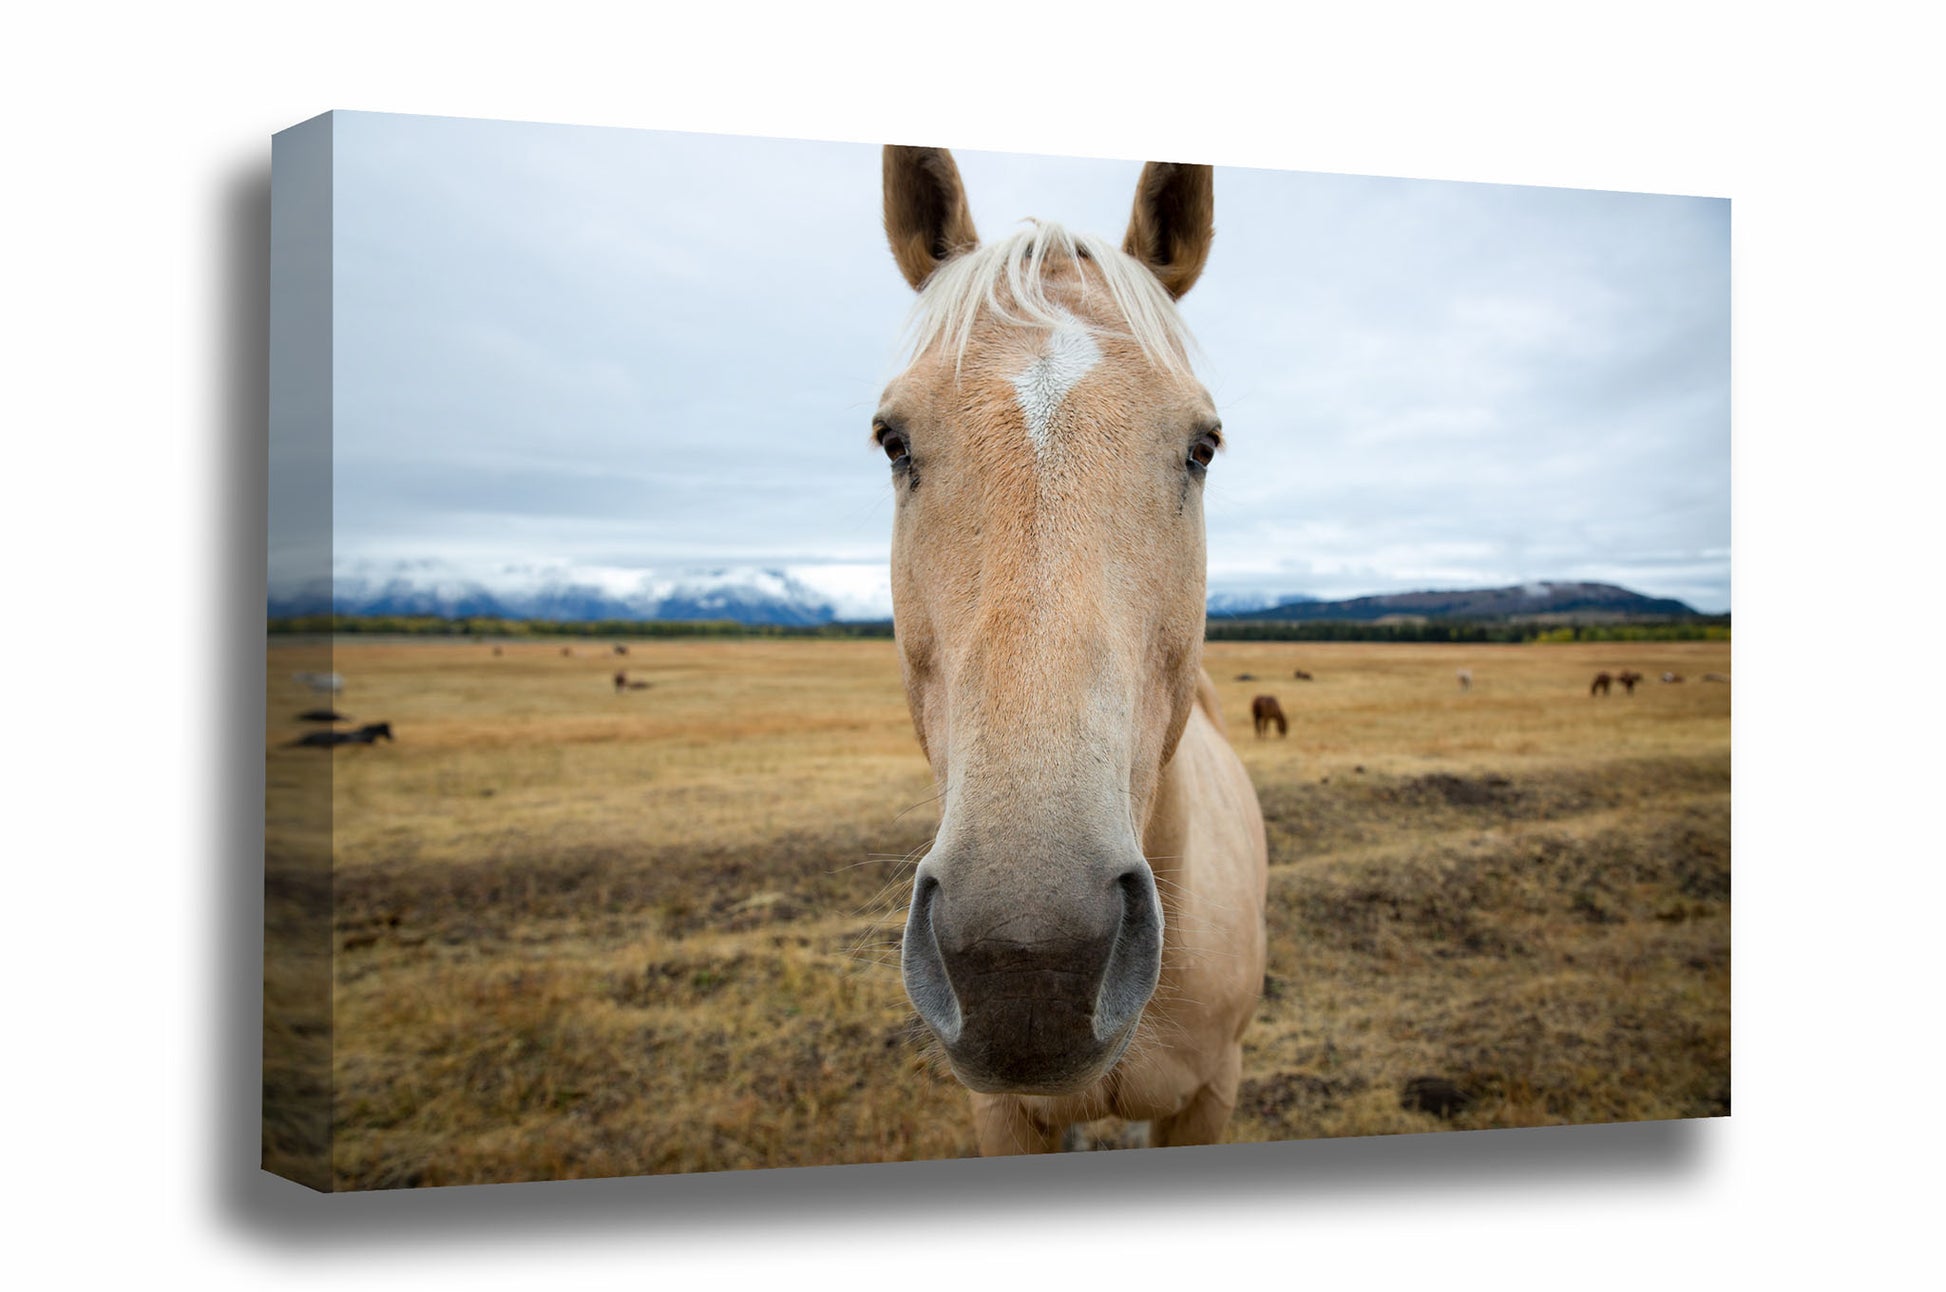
(635,349)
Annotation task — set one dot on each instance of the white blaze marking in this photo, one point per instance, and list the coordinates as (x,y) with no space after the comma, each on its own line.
(1071,352)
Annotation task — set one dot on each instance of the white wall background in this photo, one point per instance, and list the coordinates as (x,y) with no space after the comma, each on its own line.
(136,150)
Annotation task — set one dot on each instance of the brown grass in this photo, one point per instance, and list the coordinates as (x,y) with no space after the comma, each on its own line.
(578,933)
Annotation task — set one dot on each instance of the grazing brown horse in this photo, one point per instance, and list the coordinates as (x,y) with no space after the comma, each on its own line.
(1264,710)
(1628,678)
(1601,684)
(1086,933)
(1301,675)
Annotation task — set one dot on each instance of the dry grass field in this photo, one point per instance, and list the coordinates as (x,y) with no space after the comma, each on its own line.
(582,933)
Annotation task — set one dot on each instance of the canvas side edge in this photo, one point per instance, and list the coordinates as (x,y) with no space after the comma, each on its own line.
(297,968)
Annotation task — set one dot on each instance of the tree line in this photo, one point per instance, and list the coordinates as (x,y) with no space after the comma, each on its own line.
(1699,628)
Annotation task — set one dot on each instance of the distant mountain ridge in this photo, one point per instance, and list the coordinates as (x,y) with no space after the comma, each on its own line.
(769,596)
(1244,603)
(1521,601)
(745,596)
(753,595)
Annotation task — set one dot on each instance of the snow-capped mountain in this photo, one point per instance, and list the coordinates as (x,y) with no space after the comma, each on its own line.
(750,595)
(804,595)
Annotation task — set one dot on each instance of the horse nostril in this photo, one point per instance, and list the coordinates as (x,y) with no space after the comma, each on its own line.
(1135,963)
(924,971)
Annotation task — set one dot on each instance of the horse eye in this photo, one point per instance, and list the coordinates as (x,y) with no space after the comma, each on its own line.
(894,445)
(1203,451)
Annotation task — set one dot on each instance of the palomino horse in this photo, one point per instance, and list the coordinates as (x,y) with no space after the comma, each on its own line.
(1086,933)
(1264,712)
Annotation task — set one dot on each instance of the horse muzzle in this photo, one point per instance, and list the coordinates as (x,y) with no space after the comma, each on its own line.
(1037,994)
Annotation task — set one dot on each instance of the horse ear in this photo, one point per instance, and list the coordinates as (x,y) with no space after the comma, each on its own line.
(1174,222)
(926,216)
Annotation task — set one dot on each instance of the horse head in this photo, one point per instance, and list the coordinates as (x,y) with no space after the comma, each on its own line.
(1047,444)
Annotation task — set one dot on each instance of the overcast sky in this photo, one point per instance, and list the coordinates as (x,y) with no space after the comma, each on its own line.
(610,352)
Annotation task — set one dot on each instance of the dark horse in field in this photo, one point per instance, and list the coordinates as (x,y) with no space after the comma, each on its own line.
(365,735)
(1601,684)
(1628,678)
(1264,710)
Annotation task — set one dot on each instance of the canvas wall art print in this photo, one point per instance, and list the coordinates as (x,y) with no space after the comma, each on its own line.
(787,653)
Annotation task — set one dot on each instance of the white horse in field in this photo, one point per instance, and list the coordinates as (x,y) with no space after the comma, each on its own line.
(1086,934)
(320,683)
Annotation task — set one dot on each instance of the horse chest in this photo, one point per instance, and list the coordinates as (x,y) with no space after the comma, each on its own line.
(1153,1087)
